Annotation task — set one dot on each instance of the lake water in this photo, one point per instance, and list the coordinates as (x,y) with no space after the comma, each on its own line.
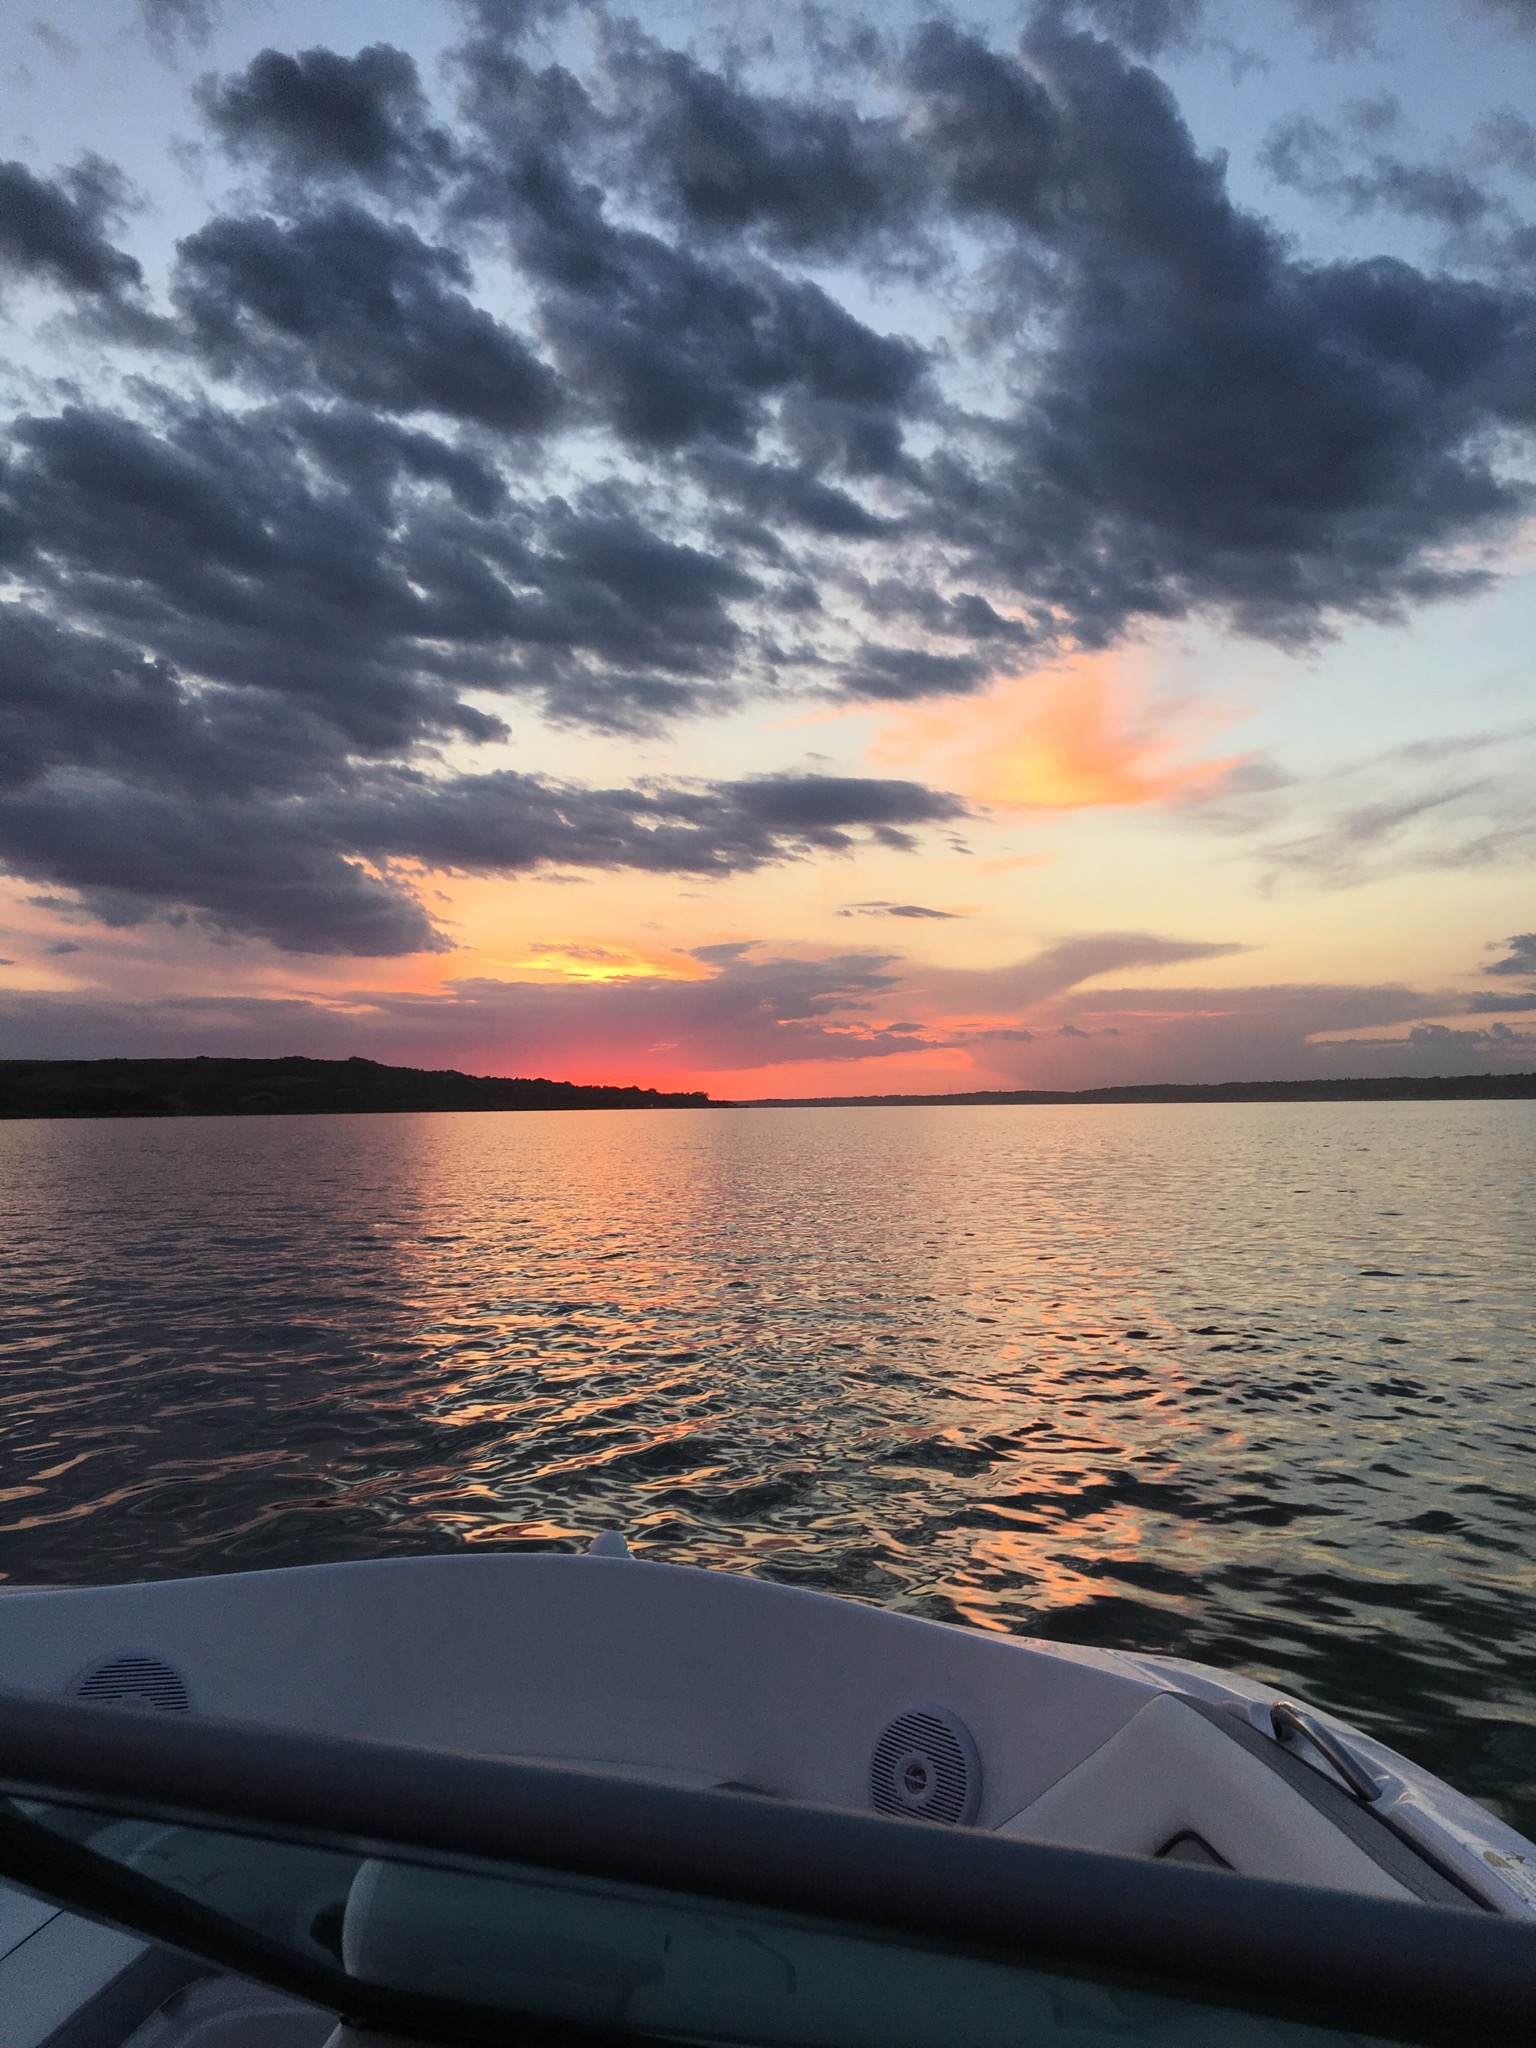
(1248,1383)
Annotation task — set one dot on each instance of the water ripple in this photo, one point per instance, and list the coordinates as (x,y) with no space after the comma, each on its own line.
(1250,1384)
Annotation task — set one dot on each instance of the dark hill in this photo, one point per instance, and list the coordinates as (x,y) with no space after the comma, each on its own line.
(286,1087)
(301,1087)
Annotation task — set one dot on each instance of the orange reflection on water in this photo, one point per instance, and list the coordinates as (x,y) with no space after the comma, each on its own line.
(1082,1410)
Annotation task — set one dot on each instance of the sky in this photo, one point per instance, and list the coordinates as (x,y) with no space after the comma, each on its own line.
(769,548)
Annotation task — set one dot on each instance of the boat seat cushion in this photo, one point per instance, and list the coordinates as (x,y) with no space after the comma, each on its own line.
(1170,1772)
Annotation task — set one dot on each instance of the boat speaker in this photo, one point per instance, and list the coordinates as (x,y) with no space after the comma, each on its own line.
(926,1767)
(135,1678)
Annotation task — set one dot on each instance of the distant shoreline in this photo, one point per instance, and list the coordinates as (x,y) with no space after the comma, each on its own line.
(288,1087)
(1394,1088)
(304,1087)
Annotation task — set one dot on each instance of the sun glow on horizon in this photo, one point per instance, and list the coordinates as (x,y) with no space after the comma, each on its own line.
(568,960)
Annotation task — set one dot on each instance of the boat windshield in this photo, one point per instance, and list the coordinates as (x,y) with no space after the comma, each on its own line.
(349,1874)
(452,1949)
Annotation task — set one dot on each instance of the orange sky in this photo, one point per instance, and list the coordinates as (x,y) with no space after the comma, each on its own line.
(1181,804)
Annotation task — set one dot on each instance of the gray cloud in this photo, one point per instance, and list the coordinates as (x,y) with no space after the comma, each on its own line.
(1343,28)
(1147,27)
(1217,424)
(1352,28)
(1461,801)
(1456,1043)
(1059,967)
(1349,167)
(341,504)
(753,1008)
(149,798)
(671,349)
(1520,13)
(809,175)
(1520,959)
(1283,1032)
(903,673)
(172,23)
(912,910)
(62,48)
(54,228)
(368,572)
(316,114)
(1308,156)
(1508,138)
(372,313)
(1492,1005)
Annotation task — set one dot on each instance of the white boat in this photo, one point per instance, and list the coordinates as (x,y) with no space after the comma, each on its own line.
(586,1800)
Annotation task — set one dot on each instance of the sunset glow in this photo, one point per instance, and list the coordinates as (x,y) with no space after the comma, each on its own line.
(1070,738)
(635,552)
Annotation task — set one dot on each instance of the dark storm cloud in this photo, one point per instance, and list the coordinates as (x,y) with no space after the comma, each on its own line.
(317,114)
(505,821)
(899,674)
(53,229)
(75,701)
(373,312)
(212,542)
(668,341)
(816,809)
(964,615)
(670,347)
(1208,423)
(270,576)
(989,132)
(808,175)
(1217,425)
(240,547)
(150,798)
(1204,422)
(787,494)
(311,873)
(248,866)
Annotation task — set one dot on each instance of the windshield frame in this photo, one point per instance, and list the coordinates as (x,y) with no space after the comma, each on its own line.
(1409,1971)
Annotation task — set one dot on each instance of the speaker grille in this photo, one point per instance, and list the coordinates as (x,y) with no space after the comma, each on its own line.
(136,1678)
(925,1767)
